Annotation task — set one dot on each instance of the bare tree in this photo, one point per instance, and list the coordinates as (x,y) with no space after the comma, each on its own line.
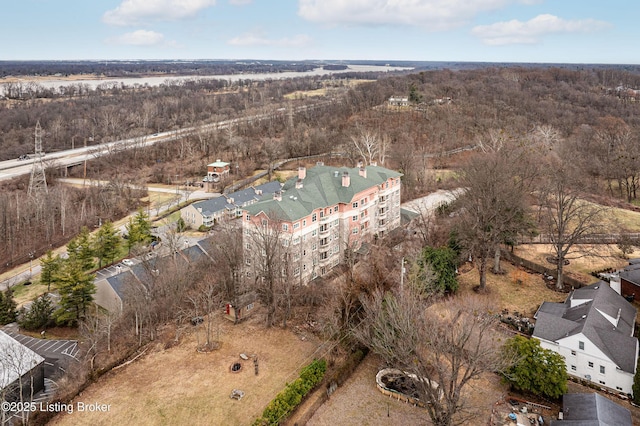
(271,261)
(568,218)
(493,208)
(228,262)
(444,345)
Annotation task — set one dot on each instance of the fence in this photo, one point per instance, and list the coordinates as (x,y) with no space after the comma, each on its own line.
(517,260)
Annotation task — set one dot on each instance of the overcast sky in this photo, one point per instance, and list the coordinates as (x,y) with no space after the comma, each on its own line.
(574,31)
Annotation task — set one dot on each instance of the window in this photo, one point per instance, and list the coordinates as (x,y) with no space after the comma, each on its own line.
(314,246)
(248,218)
(264,222)
(296,272)
(296,225)
(304,223)
(314,217)
(602,383)
(619,388)
(323,255)
(304,252)
(590,364)
(581,346)
(247,262)
(354,230)
(248,274)
(247,246)
(573,368)
(354,218)
(573,353)
(314,232)
(602,369)
(285,227)
(354,205)
(304,267)
(296,240)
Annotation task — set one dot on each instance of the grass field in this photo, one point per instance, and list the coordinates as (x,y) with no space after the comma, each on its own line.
(182,386)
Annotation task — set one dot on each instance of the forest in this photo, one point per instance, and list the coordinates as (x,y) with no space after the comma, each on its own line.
(590,113)
(530,146)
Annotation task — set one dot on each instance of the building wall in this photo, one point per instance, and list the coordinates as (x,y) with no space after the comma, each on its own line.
(317,242)
(628,288)
(106,297)
(569,348)
(192,216)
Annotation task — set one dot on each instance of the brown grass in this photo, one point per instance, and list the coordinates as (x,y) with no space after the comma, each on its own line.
(359,402)
(181,386)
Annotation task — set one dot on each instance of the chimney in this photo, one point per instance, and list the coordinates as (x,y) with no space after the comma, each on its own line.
(302,173)
(360,164)
(346,180)
(362,172)
(374,163)
(319,163)
(230,200)
(299,183)
(277,195)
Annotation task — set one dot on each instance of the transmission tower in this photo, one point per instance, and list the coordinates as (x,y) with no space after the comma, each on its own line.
(38,181)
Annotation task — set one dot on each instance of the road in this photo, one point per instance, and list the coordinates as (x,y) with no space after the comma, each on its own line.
(10,169)
(432,201)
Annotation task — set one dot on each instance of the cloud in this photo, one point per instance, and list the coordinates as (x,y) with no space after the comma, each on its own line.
(253,39)
(135,12)
(139,38)
(432,15)
(530,32)
(240,2)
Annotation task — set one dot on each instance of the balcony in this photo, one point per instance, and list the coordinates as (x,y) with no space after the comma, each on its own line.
(323,230)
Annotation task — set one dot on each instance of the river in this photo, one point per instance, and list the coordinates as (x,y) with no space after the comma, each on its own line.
(156,81)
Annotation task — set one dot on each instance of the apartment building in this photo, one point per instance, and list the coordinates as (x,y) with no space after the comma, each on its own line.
(322,212)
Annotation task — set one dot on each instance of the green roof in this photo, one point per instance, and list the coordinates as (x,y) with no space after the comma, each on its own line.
(321,187)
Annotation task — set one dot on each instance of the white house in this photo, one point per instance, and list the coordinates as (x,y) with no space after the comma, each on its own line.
(593,331)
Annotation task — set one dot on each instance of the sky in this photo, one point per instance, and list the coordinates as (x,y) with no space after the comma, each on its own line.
(548,31)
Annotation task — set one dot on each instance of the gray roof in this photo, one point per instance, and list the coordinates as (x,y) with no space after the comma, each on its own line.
(321,187)
(555,321)
(240,198)
(193,254)
(631,273)
(121,282)
(592,409)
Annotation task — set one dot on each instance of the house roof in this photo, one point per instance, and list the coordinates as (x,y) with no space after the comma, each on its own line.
(214,205)
(631,273)
(121,282)
(193,253)
(600,314)
(18,356)
(218,164)
(592,409)
(321,187)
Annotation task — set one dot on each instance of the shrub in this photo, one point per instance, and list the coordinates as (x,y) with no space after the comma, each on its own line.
(289,398)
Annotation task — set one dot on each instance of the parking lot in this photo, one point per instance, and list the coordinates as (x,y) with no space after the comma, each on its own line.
(46,348)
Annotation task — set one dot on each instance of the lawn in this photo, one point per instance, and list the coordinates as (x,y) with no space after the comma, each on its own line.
(515,290)
(182,386)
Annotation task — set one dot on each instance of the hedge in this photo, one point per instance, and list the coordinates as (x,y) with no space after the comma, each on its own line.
(289,398)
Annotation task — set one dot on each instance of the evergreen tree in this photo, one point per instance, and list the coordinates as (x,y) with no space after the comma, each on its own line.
(138,229)
(443,262)
(106,243)
(80,250)
(536,370)
(76,289)
(50,266)
(8,311)
(39,315)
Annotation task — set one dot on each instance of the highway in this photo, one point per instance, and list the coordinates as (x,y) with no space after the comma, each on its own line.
(13,168)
